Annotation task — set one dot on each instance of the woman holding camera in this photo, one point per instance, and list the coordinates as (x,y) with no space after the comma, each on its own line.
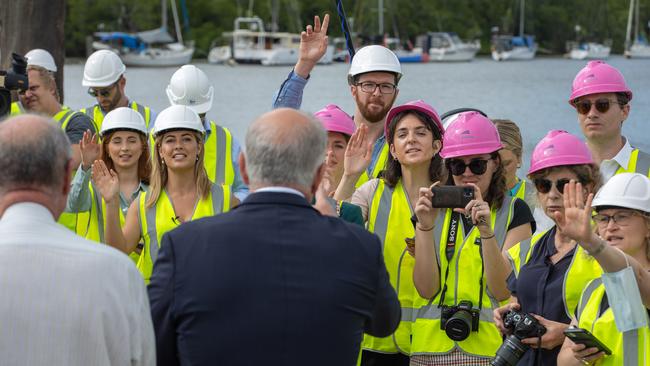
(622,239)
(550,270)
(413,132)
(460,270)
(179,188)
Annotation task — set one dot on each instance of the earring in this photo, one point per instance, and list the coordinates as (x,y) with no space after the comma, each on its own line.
(197,158)
(162,160)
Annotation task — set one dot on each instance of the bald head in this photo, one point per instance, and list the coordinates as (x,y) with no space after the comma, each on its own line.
(34,152)
(284,147)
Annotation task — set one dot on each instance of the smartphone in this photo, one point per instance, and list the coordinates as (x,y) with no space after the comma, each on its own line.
(451,196)
(583,336)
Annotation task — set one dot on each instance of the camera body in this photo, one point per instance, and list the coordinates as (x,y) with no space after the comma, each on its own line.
(451,196)
(13,79)
(522,325)
(459,320)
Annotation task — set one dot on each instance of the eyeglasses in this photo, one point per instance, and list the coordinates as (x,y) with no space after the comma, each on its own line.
(458,167)
(602,105)
(104,92)
(544,185)
(370,87)
(620,218)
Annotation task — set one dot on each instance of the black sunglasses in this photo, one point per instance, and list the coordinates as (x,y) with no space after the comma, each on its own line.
(602,105)
(458,167)
(104,92)
(544,185)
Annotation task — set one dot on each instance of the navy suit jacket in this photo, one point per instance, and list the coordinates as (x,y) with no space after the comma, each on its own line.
(273,282)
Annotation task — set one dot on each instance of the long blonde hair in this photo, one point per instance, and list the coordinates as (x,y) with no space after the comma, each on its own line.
(158,179)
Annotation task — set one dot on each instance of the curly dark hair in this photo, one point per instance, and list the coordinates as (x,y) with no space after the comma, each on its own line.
(392,172)
(497,189)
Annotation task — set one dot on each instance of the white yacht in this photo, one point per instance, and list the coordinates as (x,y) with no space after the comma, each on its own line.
(521,47)
(447,46)
(589,50)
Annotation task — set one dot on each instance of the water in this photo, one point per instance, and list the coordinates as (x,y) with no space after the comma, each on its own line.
(531,93)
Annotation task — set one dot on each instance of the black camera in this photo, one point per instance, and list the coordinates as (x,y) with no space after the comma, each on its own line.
(522,326)
(458,320)
(13,79)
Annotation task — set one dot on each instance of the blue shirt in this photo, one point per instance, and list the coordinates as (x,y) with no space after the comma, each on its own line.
(290,96)
(539,289)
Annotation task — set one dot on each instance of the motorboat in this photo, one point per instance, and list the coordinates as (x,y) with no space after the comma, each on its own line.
(447,46)
(405,53)
(589,50)
(250,43)
(513,48)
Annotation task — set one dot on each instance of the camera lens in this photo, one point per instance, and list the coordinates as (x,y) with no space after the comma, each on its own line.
(459,325)
(510,352)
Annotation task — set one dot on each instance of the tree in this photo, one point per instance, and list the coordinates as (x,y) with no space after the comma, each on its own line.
(29,24)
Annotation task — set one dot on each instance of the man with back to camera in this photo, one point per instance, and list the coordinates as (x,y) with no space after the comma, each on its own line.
(272,282)
(66,301)
(374,74)
(602,99)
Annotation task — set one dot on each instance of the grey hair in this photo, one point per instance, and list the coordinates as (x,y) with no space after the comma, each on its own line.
(38,161)
(276,156)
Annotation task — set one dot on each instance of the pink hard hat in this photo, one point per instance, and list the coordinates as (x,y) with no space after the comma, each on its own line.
(335,120)
(414,105)
(469,134)
(598,77)
(559,148)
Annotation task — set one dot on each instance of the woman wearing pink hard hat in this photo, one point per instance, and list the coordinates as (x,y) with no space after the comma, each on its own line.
(460,270)
(549,270)
(413,133)
(602,99)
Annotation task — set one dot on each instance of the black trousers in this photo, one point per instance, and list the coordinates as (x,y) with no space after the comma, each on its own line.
(369,358)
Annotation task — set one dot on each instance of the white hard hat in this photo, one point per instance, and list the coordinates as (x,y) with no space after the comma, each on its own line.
(374,58)
(177,117)
(190,86)
(42,58)
(102,69)
(123,118)
(627,190)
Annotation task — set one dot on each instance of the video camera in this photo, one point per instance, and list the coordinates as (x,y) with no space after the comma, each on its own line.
(522,325)
(13,79)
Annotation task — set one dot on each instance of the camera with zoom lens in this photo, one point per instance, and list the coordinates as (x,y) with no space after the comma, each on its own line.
(459,320)
(13,79)
(522,325)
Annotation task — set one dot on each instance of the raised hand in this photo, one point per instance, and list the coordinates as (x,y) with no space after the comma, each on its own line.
(313,45)
(576,220)
(90,149)
(358,153)
(106,181)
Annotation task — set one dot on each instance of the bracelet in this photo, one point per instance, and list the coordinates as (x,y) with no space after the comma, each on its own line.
(487,237)
(598,250)
(419,227)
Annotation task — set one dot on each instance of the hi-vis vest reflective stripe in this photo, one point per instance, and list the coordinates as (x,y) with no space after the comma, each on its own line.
(390,218)
(16,109)
(91,224)
(639,163)
(631,348)
(462,284)
(582,269)
(218,155)
(160,218)
(96,114)
(380,164)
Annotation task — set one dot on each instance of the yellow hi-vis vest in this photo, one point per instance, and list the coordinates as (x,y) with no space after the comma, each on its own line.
(389,216)
(582,269)
(380,164)
(631,348)
(527,192)
(16,109)
(92,224)
(463,283)
(218,155)
(639,163)
(161,218)
(95,113)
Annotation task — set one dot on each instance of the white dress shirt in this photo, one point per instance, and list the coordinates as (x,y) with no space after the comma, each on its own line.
(609,167)
(66,300)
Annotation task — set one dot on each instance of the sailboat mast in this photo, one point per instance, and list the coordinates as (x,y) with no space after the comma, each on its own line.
(636,21)
(177,23)
(628,33)
(522,5)
(380,14)
(163,5)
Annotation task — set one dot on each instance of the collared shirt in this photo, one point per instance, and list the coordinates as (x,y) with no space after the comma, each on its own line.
(66,300)
(79,199)
(239,189)
(290,96)
(279,189)
(608,167)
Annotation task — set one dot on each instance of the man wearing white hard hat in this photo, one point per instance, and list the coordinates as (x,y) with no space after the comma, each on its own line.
(189,86)
(36,57)
(373,77)
(104,78)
